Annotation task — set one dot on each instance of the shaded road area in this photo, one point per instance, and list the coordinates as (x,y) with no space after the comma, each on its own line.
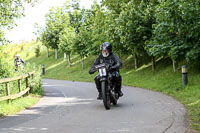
(71,107)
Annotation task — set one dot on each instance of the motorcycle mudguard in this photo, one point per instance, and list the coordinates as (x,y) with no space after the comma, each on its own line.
(103,79)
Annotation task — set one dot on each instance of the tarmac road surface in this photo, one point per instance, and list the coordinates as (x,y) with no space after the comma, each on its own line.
(71,107)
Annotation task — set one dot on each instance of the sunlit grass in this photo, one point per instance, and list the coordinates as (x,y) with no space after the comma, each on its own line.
(26,51)
(17,105)
(55,65)
(163,79)
(143,67)
(194,103)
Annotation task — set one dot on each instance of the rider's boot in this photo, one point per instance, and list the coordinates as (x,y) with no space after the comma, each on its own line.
(99,97)
(120,93)
(98,86)
(119,84)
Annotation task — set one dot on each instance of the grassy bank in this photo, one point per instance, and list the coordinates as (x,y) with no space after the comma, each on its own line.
(25,101)
(17,105)
(163,79)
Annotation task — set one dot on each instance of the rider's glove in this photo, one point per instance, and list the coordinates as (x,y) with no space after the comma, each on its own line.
(108,66)
(112,68)
(92,70)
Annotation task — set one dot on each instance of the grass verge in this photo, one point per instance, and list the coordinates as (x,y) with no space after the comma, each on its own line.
(24,102)
(163,79)
(17,105)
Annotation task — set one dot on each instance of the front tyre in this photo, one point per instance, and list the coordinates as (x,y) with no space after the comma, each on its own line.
(105,95)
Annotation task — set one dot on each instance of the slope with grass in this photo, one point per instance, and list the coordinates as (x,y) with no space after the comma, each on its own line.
(26,51)
(163,79)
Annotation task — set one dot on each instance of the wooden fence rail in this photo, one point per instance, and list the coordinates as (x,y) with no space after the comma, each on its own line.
(19,78)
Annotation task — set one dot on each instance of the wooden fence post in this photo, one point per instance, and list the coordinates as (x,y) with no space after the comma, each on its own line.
(19,85)
(19,79)
(27,84)
(31,86)
(8,91)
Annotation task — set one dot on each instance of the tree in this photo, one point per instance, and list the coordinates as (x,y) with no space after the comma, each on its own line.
(66,40)
(113,23)
(83,39)
(76,16)
(54,26)
(136,20)
(10,10)
(41,36)
(176,32)
(98,28)
(4,66)
(113,30)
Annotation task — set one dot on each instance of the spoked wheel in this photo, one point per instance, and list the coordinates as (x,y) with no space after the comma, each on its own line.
(105,96)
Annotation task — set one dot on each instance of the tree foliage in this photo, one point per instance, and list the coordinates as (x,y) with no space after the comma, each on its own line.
(10,10)
(4,68)
(176,31)
(136,27)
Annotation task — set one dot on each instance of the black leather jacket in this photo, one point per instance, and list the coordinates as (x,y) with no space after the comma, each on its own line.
(18,61)
(112,59)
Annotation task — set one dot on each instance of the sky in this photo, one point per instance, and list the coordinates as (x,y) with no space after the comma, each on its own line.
(25,26)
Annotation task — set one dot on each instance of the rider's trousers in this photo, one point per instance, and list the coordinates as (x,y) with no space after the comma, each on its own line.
(116,78)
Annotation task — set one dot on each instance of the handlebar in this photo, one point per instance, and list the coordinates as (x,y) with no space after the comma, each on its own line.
(103,65)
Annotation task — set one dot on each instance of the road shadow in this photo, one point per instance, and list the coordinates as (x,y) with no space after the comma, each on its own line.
(49,104)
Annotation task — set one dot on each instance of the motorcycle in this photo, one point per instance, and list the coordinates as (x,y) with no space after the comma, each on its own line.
(109,94)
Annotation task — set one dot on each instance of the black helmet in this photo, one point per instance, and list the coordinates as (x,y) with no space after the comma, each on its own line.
(106,46)
(106,49)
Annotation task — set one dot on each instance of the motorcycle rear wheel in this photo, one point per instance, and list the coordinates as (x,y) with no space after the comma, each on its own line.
(105,96)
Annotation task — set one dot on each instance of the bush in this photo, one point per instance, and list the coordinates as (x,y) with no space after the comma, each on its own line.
(37,51)
(4,67)
(27,54)
(15,54)
(4,71)
(37,87)
(22,47)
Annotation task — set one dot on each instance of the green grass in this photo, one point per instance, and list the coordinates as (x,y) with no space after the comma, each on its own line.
(17,105)
(163,79)
(26,51)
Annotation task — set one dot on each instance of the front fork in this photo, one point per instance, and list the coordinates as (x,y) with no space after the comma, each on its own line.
(107,84)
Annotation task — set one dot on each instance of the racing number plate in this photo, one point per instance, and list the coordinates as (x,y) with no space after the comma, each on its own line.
(102,72)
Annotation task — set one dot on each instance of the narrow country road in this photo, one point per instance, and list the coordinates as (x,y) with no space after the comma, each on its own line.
(71,107)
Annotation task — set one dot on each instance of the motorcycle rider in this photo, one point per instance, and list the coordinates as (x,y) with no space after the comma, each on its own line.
(18,61)
(108,57)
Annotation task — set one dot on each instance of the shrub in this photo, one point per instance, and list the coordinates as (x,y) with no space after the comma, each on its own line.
(27,54)
(37,51)
(37,88)
(4,67)
(22,47)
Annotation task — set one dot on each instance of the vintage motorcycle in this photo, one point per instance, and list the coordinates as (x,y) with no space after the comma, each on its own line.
(108,85)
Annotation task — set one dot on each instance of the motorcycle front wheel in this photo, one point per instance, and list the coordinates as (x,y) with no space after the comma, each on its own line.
(105,95)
